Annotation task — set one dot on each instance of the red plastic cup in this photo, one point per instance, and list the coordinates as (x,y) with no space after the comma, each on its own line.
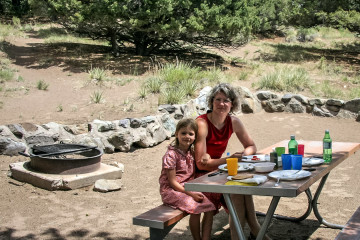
(301,148)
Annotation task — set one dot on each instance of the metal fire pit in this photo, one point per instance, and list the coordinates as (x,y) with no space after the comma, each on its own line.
(65,158)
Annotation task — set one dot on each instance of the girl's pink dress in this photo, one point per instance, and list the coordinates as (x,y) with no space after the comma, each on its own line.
(184,164)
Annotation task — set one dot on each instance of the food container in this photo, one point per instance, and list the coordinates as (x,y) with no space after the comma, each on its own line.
(264,166)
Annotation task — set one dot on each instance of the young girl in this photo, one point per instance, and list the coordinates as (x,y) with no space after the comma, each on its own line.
(178,167)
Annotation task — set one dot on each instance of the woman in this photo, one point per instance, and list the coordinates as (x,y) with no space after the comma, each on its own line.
(214,131)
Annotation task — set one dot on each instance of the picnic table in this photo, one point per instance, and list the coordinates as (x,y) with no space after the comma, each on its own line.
(216,184)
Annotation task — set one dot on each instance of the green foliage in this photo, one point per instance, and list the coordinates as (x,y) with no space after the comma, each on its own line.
(97,74)
(286,79)
(329,91)
(151,25)
(97,97)
(42,85)
(172,95)
(154,84)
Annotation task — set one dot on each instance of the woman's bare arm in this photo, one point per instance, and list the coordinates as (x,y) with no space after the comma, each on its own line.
(243,136)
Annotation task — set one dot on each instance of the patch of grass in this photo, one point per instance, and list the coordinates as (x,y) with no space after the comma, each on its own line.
(9,31)
(154,84)
(98,75)
(285,79)
(143,92)
(172,95)
(328,90)
(6,74)
(97,97)
(60,35)
(174,74)
(42,85)
(59,108)
(189,87)
(354,92)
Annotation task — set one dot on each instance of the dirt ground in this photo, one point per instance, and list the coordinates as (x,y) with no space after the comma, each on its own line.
(28,212)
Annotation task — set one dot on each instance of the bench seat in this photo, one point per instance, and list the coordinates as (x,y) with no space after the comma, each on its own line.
(160,220)
(351,231)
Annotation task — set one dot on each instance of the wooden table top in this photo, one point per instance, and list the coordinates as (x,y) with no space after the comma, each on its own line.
(341,151)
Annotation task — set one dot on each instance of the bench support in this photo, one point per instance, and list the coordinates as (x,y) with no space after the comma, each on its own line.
(160,234)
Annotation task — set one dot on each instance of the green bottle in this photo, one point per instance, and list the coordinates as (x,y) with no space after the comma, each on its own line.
(327,147)
(293,145)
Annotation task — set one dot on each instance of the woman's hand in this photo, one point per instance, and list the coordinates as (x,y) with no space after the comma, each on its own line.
(237,155)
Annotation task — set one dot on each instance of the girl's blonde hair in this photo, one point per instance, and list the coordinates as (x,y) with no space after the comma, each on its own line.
(185,122)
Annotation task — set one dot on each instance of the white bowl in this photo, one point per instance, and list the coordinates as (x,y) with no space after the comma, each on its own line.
(264,166)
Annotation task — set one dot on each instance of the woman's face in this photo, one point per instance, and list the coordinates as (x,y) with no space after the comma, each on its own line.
(221,103)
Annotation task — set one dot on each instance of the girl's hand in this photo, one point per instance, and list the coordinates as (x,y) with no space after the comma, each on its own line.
(205,159)
(198,197)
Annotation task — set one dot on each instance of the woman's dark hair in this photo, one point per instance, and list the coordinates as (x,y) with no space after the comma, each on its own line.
(230,93)
(186,122)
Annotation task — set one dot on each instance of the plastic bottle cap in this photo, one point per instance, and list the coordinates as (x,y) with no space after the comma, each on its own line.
(292,136)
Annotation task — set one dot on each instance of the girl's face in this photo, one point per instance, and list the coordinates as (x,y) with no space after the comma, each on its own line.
(221,103)
(186,137)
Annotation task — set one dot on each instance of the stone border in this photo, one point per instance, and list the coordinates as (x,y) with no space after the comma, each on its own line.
(130,133)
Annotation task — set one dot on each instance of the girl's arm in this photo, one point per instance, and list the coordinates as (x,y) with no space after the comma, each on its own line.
(171,175)
(203,160)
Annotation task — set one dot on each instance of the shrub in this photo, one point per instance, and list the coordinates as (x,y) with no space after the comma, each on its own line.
(42,85)
(286,79)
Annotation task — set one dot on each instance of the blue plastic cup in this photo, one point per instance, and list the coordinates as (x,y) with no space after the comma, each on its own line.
(286,161)
(296,162)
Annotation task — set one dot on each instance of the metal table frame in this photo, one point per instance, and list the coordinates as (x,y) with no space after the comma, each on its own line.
(341,151)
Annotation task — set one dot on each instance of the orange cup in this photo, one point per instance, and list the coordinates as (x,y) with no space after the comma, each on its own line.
(232,166)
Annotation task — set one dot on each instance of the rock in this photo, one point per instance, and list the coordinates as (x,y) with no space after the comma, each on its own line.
(10,147)
(346,114)
(103,126)
(265,95)
(321,112)
(17,130)
(286,98)
(105,185)
(166,107)
(118,165)
(29,127)
(333,108)
(124,123)
(335,102)
(169,123)
(304,100)
(201,100)
(353,105)
(294,106)
(273,105)
(135,123)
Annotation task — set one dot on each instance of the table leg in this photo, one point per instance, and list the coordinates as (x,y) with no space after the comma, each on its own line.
(294,219)
(314,205)
(274,202)
(234,216)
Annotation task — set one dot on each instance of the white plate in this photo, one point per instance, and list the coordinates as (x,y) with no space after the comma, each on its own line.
(263,158)
(312,161)
(242,167)
(289,174)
